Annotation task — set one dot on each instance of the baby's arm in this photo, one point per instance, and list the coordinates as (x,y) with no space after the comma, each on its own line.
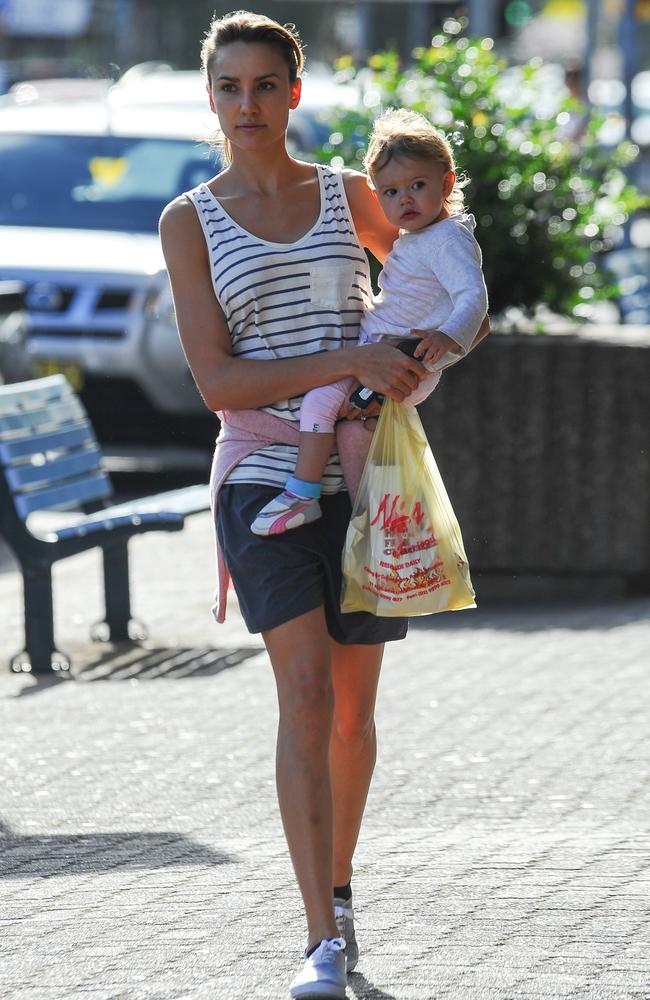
(457,266)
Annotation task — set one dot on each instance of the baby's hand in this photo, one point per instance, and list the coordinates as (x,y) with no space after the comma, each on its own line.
(433,346)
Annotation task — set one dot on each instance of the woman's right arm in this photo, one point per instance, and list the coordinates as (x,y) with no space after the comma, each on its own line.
(230,383)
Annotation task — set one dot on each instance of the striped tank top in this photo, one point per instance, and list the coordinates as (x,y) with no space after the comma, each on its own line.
(285,300)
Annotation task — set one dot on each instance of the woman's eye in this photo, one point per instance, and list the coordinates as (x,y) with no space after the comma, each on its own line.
(227,88)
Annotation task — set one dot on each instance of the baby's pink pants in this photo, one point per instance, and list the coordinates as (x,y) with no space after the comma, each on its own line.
(320,407)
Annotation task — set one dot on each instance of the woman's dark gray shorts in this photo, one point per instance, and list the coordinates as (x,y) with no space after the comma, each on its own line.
(279,578)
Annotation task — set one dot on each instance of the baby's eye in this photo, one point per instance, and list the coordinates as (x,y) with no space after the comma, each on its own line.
(418,184)
(389,192)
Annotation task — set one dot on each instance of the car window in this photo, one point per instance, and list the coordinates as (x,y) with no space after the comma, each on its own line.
(95,182)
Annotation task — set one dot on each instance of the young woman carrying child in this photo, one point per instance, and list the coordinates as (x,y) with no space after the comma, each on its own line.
(255,260)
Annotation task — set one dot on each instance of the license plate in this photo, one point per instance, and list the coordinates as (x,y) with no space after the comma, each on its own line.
(73,373)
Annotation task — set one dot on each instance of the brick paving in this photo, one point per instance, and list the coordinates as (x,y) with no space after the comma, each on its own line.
(506,849)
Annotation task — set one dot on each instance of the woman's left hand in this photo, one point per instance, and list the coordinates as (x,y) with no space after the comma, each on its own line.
(350,412)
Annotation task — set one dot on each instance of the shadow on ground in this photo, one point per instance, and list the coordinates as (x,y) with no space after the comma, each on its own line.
(361,989)
(75,854)
(130,661)
(541,615)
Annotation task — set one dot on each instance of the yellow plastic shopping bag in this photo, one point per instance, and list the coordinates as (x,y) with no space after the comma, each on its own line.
(403,552)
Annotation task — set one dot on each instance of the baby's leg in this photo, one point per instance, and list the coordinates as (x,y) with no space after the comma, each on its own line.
(298,503)
(318,414)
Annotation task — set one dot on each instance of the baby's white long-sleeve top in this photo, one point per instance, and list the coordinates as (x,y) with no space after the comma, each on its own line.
(432,280)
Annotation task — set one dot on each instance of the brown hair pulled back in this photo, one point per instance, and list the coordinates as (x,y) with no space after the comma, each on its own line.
(244,26)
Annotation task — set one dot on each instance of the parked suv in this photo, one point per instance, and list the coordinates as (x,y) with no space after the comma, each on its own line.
(83,180)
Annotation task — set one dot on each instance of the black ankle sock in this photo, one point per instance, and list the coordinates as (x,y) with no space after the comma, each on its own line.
(343,892)
(310,951)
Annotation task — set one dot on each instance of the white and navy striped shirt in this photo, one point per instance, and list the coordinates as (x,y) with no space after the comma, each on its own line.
(285,300)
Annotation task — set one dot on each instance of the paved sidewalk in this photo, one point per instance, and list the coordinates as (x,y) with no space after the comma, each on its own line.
(506,849)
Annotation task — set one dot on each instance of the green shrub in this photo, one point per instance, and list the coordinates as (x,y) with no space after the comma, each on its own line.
(546,205)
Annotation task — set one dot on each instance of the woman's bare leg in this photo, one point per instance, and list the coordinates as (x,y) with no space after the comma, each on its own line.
(353,746)
(300,655)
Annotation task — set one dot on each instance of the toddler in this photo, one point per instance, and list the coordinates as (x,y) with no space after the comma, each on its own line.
(431,289)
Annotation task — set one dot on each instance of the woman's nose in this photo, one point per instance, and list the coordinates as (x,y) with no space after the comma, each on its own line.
(248,103)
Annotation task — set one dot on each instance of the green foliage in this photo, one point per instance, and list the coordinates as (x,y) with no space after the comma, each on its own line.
(547,205)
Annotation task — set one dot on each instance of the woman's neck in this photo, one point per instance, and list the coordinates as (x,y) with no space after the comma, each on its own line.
(265,173)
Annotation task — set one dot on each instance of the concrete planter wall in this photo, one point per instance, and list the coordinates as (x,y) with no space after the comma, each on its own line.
(544,445)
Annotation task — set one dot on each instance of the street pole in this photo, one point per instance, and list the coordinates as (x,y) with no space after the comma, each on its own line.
(419,34)
(483,18)
(591,44)
(628,43)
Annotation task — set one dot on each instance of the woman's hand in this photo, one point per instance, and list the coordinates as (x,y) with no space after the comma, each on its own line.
(348,411)
(387,371)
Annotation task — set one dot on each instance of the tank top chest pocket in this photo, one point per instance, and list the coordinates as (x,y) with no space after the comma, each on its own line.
(330,283)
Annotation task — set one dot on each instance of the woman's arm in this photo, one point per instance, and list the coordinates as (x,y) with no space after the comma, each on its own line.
(373,229)
(227,382)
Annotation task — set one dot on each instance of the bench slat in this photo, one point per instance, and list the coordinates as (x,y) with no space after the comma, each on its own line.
(69,496)
(50,441)
(54,471)
(21,423)
(35,392)
(187,500)
(164,520)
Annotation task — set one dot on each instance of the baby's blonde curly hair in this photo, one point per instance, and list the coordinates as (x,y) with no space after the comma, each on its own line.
(398,133)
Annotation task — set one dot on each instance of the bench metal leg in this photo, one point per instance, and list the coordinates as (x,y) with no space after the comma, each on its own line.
(42,655)
(116,591)
(118,625)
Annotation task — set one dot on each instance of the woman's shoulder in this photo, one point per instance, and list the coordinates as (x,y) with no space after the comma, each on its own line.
(181,212)
(177,216)
(355,183)
(179,224)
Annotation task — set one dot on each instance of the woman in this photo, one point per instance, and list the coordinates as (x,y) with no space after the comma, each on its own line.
(269,280)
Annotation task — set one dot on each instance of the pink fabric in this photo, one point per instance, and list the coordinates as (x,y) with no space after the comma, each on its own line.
(319,408)
(245,431)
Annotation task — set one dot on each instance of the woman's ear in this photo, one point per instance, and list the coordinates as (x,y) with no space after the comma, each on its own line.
(296,90)
(211,98)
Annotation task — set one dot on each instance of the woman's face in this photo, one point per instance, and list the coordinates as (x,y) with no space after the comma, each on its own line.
(250,92)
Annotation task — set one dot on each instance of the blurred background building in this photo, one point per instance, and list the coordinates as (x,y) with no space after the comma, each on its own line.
(602,37)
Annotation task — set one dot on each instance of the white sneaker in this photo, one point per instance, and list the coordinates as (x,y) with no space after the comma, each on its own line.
(323,974)
(344,916)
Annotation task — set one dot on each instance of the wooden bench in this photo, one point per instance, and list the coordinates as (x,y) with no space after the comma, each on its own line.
(50,461)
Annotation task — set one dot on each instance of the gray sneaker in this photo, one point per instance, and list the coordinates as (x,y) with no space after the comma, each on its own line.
(323,974)
(344,916)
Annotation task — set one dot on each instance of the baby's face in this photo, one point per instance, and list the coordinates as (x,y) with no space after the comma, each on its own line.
(412,191)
